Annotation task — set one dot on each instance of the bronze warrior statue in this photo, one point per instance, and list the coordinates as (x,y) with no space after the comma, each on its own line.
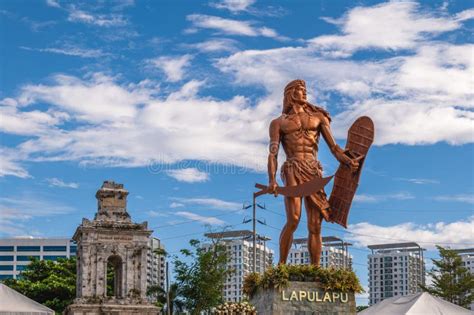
(298,130)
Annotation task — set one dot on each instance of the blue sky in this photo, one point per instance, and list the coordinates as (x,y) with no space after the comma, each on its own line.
(174,99)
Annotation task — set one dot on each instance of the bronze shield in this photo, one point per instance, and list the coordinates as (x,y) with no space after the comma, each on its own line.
(359,139)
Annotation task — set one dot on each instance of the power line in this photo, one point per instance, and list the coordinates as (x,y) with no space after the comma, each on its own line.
(377,236)
(195,220)
(410,211)
(179,236)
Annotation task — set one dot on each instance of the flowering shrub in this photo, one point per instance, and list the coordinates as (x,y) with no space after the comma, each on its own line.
(243,308)
(279,276)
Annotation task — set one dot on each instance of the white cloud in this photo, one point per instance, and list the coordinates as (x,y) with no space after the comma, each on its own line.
(15,211)
(436,99)
(395,121)
(465,15)
(456,234)
(156,214)
(391,25)
(9,164)
(215,45)
(457,198)
(379,198)
(189,175)
(135,126)
(176,205)
(53,3)
(136,123)
(121,4)
(199,218)
(15,121)
(56,182)
(211,202)
(363,296)
(365,198)
(173,67)
(80,16)
(234,6)
(229,26)
(419,181)
(71,51)
(95,100)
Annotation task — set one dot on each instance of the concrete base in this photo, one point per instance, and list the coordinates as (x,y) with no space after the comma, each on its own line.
(304,298)
(111,309)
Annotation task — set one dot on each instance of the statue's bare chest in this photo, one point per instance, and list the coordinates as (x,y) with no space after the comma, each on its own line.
(299,122)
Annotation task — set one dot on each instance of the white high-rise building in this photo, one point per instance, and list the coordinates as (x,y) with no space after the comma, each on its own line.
(467,256)
(155,269)
(334,253)
(239,246)
(15,253)
(395,270)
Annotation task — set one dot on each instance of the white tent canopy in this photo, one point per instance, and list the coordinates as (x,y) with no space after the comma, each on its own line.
(415,304)
(14,303)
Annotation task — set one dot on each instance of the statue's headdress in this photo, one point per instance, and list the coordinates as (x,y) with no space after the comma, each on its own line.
(288,99)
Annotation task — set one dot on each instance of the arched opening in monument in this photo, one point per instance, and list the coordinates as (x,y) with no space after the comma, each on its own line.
(114,276)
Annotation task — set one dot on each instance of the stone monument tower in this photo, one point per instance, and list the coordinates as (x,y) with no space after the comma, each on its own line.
(113,244)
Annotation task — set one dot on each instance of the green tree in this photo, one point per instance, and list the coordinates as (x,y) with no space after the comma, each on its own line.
(50,283)
(200,276)
(159,294)
(451,281)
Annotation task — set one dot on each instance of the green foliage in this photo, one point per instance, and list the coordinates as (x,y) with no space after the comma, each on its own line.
(360,308)
(200,276)
(159,294)
(110,279)
(279,276)
(50,283)
(451,281)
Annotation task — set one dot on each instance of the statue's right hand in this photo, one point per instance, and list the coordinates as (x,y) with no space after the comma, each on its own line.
(272,186)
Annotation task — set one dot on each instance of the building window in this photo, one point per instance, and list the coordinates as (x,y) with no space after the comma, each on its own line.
(6,267)
(54,248)
(6,258)
(6,249)
(6,277)
(21,267)
(28,248)
(26,258)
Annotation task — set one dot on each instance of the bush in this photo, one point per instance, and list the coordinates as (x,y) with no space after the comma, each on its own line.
(278,277)
(243,308)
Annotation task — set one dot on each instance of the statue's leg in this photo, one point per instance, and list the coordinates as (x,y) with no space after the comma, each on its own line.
(293,214)
(313,212)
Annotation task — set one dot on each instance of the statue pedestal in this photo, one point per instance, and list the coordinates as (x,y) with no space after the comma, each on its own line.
(304,298)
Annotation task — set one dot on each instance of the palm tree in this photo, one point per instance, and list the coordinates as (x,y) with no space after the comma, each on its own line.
(160,295)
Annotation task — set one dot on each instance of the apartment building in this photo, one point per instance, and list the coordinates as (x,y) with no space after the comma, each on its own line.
(334,253)
(155,270)
(239,246)
(395,270)
(467,256)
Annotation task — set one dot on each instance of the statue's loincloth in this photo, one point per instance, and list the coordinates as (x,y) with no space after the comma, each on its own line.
(300,171)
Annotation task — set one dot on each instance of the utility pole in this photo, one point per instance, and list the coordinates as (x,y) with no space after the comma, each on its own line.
(168,309)
(254,234)
(254,226)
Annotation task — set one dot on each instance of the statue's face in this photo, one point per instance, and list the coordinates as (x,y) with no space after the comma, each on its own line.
(299,94)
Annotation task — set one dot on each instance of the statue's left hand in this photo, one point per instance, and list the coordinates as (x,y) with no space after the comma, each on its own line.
(352,164)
